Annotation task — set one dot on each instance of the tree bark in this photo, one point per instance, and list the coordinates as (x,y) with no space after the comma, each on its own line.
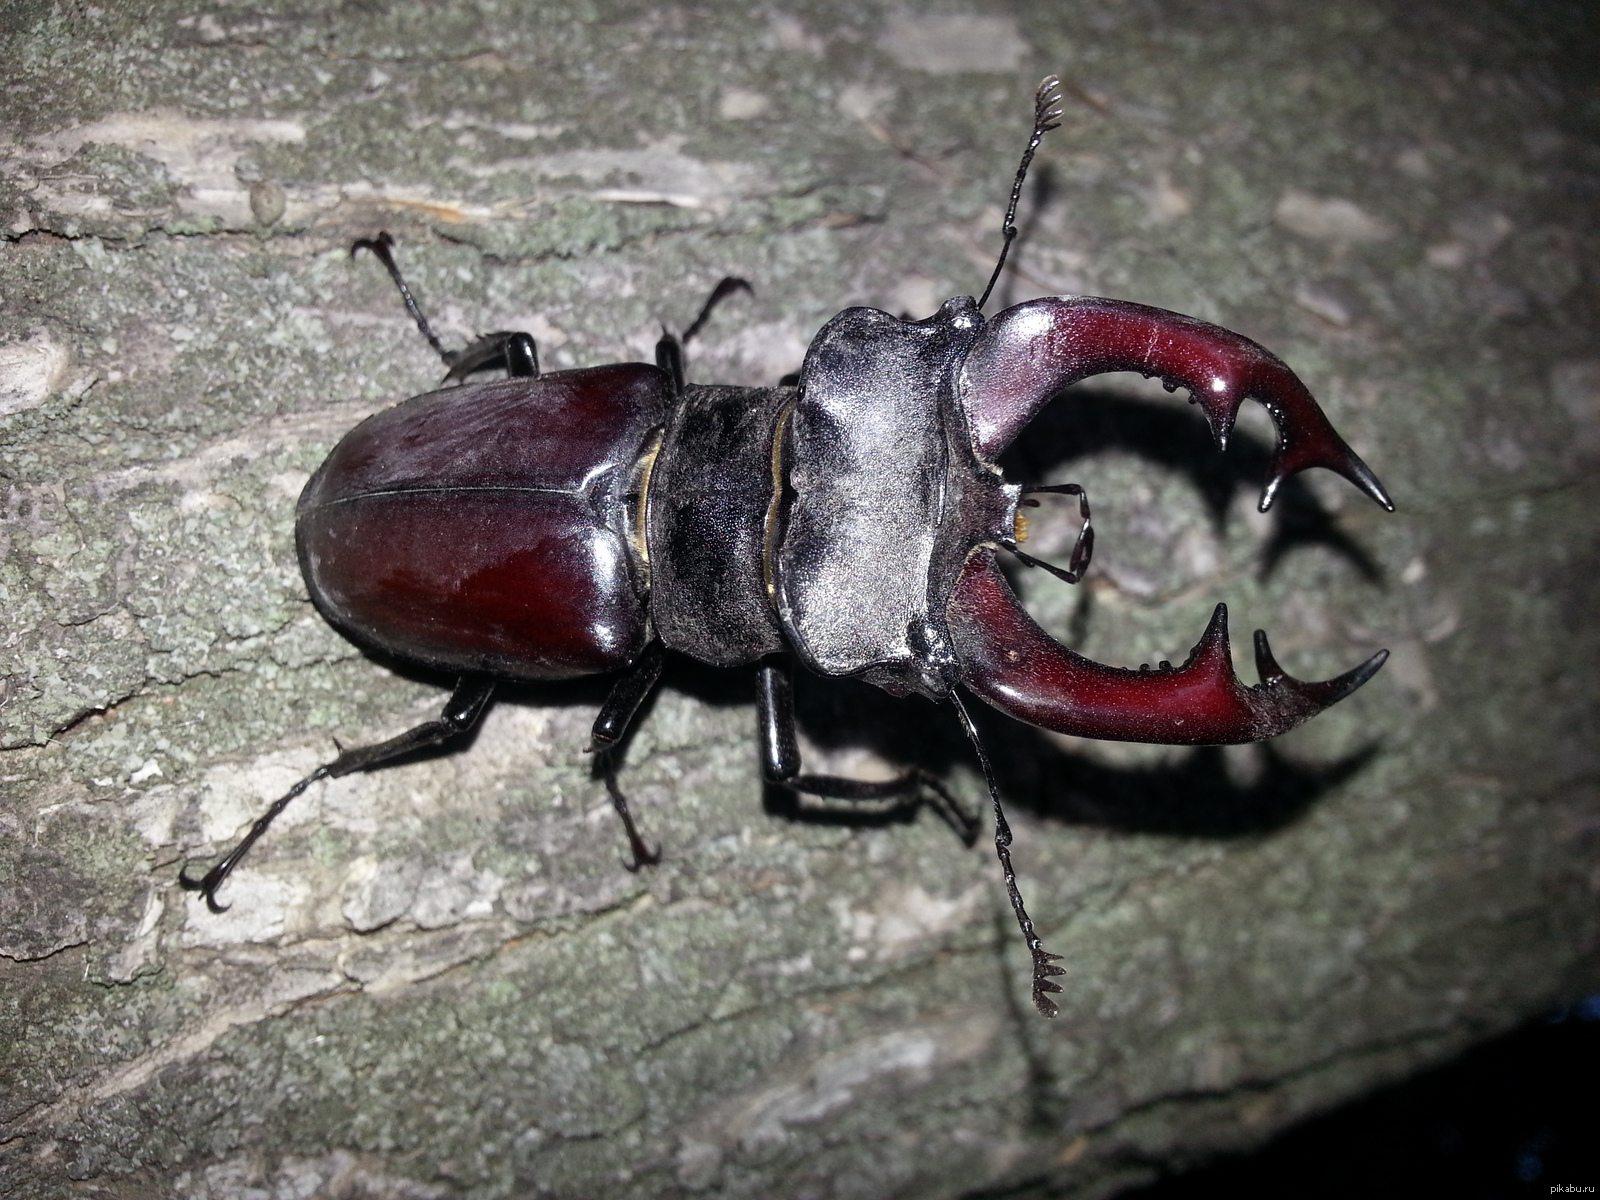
(439,980)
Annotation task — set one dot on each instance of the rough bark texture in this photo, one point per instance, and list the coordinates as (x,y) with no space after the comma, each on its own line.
(438,980)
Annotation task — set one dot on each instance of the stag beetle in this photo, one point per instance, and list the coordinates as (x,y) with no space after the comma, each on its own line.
(545,527)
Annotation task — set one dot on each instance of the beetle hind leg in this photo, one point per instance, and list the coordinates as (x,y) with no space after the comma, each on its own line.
(382,247)
(516,352)
(461,712)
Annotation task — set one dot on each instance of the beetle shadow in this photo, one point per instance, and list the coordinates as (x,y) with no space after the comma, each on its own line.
(1086,421)
(1197,795)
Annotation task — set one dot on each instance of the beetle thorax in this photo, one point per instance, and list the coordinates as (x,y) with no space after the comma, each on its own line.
(885,497)
(832,520)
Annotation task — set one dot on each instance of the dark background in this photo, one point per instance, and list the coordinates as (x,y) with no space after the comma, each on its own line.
(1513,1117)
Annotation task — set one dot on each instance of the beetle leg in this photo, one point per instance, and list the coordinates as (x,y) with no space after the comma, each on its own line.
(1030,352)
(515,351)
(616,714)
(669,357)
(643,856)
(669,349)
(620,707)
(1082,549)
(1044,968)
(461,712)
(780,753)
(780,759)
(383,247)
(727,287)
(1006,660)
(781,762)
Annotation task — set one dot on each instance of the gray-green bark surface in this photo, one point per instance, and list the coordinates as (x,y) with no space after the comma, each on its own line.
(438,980)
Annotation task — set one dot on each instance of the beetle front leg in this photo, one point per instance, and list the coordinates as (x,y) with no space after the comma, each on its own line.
(461,712)
(1044,963)
(1082,549)
(780,759)
(616,714)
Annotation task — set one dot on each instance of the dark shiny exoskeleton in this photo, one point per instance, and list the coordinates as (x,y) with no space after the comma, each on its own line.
(492,529)
(544,527)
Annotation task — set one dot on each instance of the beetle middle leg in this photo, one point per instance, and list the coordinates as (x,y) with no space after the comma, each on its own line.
(461,712)
(669,349)
(780,760)
(616,714)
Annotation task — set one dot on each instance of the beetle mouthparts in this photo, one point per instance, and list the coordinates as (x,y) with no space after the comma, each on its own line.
(1011,663)
(1030,352)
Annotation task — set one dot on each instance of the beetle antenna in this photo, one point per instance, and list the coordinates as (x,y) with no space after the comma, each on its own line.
(1044,968)
(383,247)
(1046,116)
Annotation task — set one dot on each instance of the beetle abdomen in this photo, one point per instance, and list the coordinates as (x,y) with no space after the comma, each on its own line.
(486,528)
